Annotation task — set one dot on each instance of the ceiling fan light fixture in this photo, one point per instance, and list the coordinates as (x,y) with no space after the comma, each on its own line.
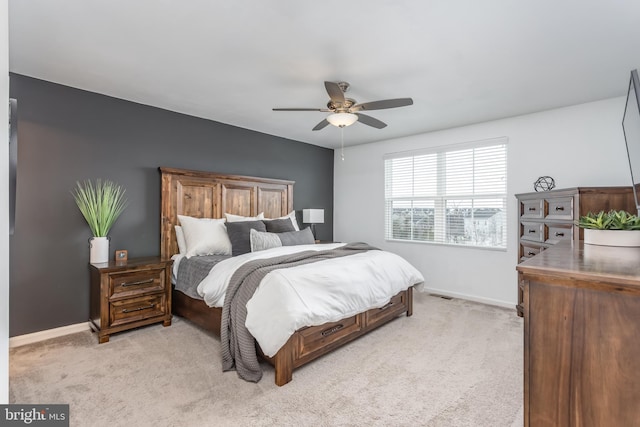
(342,119)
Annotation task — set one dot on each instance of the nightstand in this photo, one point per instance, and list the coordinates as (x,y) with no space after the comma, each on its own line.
(126,295)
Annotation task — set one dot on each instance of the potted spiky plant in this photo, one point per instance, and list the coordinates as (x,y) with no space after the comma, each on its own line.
(612,228)
(100,204)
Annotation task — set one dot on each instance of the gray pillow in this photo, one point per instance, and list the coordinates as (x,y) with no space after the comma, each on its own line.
(261,241)
(302,237)
(239,235)
(279,225)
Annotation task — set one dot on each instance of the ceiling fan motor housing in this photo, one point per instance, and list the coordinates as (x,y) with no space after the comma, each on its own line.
(341,107)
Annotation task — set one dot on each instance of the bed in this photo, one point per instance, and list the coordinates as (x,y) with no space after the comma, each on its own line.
(211,195)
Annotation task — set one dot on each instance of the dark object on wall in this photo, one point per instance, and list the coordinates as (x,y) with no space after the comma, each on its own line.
(13,161)
(544,183)
(631,128)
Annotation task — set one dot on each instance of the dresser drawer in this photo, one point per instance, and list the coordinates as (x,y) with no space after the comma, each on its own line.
(560,208)
(134,309)
(315,338)
(532,231)
(396,306)
(529,251)
(532,208)
(558,232)
(126,284)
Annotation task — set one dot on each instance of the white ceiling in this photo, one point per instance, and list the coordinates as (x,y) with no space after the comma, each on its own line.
(462,62)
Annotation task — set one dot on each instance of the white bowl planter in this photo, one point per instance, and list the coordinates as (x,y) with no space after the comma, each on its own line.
(626,238)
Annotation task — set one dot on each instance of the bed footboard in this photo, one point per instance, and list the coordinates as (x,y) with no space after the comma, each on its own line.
(308,344)
(305,344)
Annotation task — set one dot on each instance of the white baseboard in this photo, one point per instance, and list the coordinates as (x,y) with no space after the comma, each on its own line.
(47,334)
(488,301)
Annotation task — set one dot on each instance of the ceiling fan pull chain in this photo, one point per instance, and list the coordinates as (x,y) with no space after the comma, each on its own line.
(342,145)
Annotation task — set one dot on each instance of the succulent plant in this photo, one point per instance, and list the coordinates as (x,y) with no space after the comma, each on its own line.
(612,220)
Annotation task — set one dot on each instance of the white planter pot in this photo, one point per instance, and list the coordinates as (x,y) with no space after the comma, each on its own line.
(98,250)
(626,238)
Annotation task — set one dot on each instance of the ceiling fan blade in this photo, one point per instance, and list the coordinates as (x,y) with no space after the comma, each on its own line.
(334,91)
(384,104)
(299,109)
(321,125)
(368,120)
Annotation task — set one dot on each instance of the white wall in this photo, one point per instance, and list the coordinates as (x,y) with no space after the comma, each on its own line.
(4,202)
(581,145)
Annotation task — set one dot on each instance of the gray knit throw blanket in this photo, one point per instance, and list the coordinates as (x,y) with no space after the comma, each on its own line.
(238,345)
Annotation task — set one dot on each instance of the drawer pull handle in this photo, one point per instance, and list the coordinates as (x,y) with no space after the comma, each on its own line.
(531,253)
(332,330)
(532,209)
(559,234)
(139,282)
(532,230)
(126,310)
(559,208)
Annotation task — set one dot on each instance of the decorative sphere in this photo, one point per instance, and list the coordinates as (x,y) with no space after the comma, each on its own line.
(544,183)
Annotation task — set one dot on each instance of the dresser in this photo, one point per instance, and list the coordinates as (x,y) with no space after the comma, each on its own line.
(581,336)
(546,218)
(126,295)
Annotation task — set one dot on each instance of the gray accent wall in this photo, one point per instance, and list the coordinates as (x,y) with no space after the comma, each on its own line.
(66,135)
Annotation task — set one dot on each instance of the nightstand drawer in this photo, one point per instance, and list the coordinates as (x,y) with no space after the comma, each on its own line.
(122,285)
(134,309)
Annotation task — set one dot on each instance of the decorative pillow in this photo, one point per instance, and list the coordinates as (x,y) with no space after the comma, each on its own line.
(279,225)
(238,218)
(292,238)
(239,234)
(205,236)
(291,216)
(182,245)
(261,241)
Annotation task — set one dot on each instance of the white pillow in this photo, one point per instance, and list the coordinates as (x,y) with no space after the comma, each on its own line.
(238,218)
(292,216)
(182,245)
(205,236)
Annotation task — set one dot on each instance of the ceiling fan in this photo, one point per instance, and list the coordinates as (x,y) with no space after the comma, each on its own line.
(346,111)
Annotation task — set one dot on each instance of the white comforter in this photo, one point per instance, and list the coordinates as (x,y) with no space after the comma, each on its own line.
(311,294)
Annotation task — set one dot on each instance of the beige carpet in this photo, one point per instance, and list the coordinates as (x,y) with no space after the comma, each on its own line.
(453,363)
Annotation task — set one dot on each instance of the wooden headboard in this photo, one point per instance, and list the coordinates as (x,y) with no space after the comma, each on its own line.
(211,195)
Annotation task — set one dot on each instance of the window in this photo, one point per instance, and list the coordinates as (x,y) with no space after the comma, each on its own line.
(453,195)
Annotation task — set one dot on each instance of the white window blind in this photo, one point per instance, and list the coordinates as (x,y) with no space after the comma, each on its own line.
(453,195)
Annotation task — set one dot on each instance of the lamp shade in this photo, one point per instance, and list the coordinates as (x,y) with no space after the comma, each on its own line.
(342,119)
(313,216)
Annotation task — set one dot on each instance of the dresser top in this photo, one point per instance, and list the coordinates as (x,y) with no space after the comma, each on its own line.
(575,190)
(614,265)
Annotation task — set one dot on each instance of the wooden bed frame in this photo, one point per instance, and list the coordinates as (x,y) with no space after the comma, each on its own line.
(210,195)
